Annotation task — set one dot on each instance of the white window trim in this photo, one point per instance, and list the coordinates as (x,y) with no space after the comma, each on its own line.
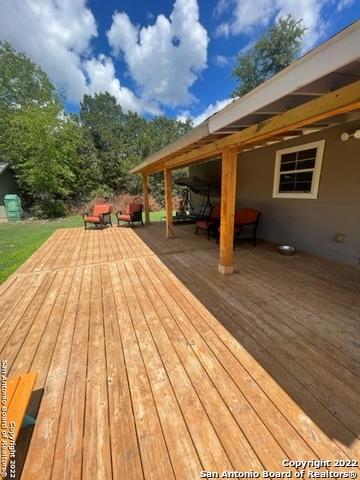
(320,146)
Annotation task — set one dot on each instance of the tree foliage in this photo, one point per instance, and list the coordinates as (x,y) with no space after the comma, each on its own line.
(122,140)
(22,82)
(59,157)
(162,131)
(276,50)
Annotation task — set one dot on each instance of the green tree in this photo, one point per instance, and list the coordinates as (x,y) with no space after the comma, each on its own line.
(162,131)
(122,140)
(52,156)
(40,146)
(85,163)
(136,146)
(276,50)
(22,82)
(104,119)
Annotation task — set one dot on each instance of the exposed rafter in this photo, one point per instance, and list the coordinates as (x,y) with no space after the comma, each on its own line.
(345,99)
(314,76)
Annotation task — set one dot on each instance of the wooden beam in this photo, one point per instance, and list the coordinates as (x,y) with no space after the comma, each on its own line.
(345,99)
(195,134)
(228,199)
(168,203)
(146,199)
(202,152)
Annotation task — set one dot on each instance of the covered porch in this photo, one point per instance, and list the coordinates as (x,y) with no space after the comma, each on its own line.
(317,92)
(150,366)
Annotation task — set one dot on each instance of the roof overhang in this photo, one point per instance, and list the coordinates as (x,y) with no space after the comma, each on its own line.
(3,166)
(315,92)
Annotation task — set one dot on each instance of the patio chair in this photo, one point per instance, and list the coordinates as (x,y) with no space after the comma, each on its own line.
(245,217)
(210,225)
(100,216)
(133,214)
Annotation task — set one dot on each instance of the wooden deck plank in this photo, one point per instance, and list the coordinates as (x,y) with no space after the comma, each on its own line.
(249,337)
(14,295)
(69,443)
(260,304)
(153,366)
(288,438)
(22,305)
(37,349)
(328,322)
(207,443)
(185,462)
(258,283)
(154,454)
(15,332)
(96,446)
(11,385)
(237,447)
(53,372)
(125,451)
(258,436)
(336,395)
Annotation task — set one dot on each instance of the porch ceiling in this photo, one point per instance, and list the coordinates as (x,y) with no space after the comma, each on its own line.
(298,98)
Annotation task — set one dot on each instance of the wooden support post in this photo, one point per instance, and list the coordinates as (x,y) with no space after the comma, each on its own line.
(146,199)
(228,199)
(168,203)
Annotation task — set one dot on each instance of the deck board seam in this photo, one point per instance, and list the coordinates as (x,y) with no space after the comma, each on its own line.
(210,379)
(309,391)
(147,375)
(167,373)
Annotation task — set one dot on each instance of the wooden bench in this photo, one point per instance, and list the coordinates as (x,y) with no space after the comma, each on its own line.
(19,390)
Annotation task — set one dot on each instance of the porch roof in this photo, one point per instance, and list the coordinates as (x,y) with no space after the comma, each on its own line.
(315,92)
(3,166)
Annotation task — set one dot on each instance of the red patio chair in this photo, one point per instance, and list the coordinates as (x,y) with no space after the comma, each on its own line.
(211,224)
(133,214)
(100,216)
(245,217)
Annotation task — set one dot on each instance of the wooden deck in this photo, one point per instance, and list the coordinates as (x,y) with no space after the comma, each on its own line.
(151,365)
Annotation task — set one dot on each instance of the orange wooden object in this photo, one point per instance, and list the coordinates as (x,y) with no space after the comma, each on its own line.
(18,392)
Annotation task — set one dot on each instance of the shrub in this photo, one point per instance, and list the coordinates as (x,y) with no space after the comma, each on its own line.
(53,208)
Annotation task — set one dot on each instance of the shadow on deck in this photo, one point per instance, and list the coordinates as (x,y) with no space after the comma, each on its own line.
(152,365)
(297,316)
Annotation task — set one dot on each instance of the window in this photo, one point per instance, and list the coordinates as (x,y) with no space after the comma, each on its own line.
(297,171)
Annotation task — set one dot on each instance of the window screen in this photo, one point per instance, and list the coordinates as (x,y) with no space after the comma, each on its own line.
(296,170)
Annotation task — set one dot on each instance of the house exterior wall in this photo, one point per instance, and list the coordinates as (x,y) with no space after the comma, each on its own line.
(308,224)
(7,184)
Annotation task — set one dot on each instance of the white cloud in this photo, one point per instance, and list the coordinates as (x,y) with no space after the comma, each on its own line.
(208,112)
(165,58)
(57,35)
(344,4)
(221,60)
(102,78)
(54,34)
(250,14)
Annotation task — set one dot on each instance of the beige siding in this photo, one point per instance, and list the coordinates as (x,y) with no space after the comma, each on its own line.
(310,225)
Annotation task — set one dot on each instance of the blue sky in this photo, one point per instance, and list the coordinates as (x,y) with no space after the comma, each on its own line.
(173,57)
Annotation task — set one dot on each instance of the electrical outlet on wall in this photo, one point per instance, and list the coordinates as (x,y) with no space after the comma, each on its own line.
(340,237)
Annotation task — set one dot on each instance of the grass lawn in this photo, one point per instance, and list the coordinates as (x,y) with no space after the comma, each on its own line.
(18,240)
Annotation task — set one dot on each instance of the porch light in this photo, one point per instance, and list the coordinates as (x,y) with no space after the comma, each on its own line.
(345,136)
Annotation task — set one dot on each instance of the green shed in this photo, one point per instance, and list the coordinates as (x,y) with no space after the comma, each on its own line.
(8,185)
